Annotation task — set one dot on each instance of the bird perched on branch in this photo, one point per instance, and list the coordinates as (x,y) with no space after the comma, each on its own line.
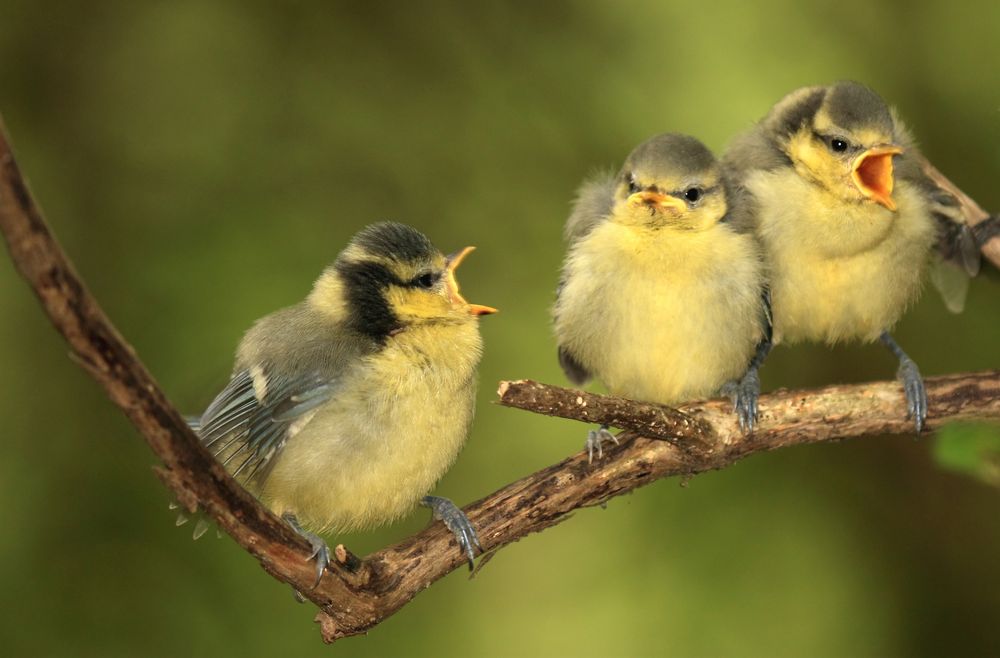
(833,185)
(662,297)
(344,410)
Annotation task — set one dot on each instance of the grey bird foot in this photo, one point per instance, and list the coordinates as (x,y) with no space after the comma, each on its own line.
(913,383)
(595,441)
(320,551)
(916,393)
(744,395)
(455,520)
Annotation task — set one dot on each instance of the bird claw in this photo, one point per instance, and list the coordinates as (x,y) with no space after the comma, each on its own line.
(320,551)
(916,393)
(596,439)
(913,383)
(744,394)
(455,520)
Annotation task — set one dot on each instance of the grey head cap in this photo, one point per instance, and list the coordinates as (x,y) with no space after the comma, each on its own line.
(669,156)
(853,106)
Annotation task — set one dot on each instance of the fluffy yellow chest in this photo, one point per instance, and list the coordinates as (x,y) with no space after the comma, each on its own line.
(394,427)
(839,271)
(661,315)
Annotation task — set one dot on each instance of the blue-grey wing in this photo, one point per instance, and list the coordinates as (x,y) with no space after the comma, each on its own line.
(249,421)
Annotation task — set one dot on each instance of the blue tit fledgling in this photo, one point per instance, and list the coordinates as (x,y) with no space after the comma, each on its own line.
(831,182)
(345,409)
(662,298)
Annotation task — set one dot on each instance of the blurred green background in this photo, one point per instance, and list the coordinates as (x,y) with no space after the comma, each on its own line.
(202,161)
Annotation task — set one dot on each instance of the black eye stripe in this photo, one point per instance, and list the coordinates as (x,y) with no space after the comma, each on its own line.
(425,280)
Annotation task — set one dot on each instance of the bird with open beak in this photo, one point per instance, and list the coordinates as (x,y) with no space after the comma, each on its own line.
(345,409)
(831,183)
(662,298)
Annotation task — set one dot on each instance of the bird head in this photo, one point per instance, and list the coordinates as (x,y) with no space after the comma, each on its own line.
(670,181)
(390,277)
(843,137)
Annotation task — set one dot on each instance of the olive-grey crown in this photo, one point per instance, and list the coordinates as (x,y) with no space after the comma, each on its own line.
(670,156)
(850,106)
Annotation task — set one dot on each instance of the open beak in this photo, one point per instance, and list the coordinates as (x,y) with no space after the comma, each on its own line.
(657,201)
(872,174)
(452,263)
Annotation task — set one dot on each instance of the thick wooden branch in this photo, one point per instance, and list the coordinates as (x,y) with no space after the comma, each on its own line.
(357,594)
(787,417)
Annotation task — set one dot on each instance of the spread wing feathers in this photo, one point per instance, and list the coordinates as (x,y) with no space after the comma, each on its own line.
(592,205)
(248,422)
(951,281)
(957,257)
(957,241)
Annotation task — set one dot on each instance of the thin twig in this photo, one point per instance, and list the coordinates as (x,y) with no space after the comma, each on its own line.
(357,594)
(651,420)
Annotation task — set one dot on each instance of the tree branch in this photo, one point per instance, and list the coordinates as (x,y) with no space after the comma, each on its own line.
(972,211)
(356,594)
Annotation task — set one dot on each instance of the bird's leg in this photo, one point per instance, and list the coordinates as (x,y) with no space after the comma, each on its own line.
(746,391)
(913,383)
(595,440)
(744,394)
(320,551)
(455,520)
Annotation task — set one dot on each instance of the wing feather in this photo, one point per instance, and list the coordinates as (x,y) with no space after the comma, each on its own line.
(255,413)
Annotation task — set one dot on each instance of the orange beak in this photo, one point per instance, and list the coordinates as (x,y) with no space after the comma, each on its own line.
(872,174)
(657,201)
(453,261)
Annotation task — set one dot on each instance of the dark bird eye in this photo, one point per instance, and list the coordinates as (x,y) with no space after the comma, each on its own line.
(692,194)
(838,145)
(426,280)
(633,187)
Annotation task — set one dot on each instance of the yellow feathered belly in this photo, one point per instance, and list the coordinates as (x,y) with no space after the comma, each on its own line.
(664,323)
(367,457)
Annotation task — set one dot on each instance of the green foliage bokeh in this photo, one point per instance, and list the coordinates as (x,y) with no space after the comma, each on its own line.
(202,161)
